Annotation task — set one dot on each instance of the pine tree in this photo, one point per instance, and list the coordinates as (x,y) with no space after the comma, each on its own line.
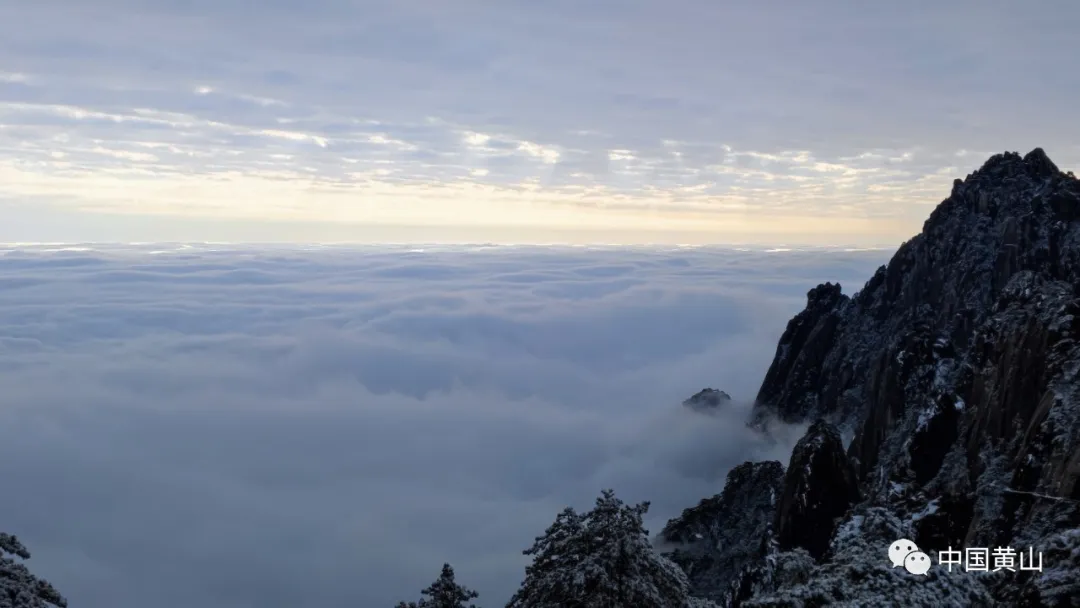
(600,559)
(549,580)
(443,593)
(18,587)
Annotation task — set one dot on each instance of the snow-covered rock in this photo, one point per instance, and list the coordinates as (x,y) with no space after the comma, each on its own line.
(956,368)
(712,540)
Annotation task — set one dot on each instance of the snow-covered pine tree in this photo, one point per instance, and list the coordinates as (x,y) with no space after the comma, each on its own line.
(443,593)
(600,559)
(18,587)
(557,555)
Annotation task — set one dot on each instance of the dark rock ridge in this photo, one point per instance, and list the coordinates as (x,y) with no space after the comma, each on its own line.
(718,536)
(953,373)
(818,489)
(707,400)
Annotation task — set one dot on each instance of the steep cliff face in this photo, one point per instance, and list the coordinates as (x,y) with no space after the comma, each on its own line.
(954,373)
(717,537)
(819,487)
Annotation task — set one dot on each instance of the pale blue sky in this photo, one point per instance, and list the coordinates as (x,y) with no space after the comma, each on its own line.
(512,121)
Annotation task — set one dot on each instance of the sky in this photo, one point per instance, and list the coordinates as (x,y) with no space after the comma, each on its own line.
(283,426)
(513,121)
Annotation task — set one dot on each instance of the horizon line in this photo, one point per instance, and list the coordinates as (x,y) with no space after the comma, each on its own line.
(774,246)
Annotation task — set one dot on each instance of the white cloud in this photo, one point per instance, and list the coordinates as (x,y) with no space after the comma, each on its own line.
(317,140)
(221,426)
(477,139)
(125,155)
(546,154)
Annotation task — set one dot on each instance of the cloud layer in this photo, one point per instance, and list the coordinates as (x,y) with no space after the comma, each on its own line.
(685,120)
(227,427)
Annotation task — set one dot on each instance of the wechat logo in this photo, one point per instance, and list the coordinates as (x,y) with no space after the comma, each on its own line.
(906,554)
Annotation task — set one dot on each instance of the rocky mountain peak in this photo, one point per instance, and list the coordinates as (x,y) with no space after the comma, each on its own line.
(954,372)
(707,400)
(1035,165)
(793,379)
(1039,164)
(824,297)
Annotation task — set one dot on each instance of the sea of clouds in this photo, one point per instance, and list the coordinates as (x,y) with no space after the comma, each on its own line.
(225,426)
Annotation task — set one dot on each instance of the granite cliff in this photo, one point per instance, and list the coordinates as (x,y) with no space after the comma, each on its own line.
(945,409)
